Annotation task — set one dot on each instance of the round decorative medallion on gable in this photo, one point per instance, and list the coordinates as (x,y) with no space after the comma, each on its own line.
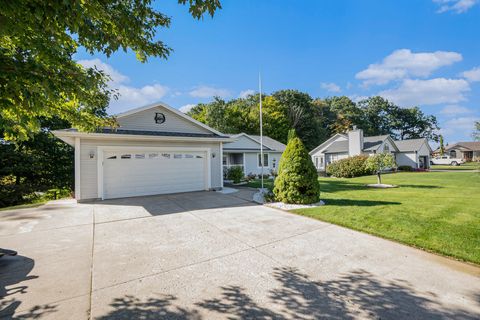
(159,117)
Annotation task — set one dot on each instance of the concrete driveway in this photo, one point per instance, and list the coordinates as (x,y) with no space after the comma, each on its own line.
(207,255)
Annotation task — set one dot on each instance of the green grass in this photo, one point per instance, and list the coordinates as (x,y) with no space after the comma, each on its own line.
(436,211)
(465,166)
(256,183)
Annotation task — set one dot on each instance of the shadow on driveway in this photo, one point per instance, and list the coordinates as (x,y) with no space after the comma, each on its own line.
(357,294)
(14,272)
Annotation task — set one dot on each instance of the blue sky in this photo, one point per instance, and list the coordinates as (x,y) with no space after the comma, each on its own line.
(413,52)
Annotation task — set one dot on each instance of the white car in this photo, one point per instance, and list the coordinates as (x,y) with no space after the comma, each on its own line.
(447,160)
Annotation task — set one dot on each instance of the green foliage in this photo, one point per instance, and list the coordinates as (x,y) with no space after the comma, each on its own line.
(442,147)
(349,167)
(405,168)
(35,165)
(476,132)
(235,174)
(380,162)
(314,121)
(297,180)
(291,134)
(38,76)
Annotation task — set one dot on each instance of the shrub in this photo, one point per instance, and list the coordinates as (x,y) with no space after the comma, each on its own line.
(250,176)
(405,168)
(235,174)
(297,180)
(380,162)
(349,167)
(265,176)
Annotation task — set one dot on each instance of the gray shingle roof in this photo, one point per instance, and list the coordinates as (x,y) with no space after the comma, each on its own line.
(373,142)
(409,145)
(337,147)
(152,133)
(474,146)
(270,143)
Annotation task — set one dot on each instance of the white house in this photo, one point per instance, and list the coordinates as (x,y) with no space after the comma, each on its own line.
(244,152)
(412,152)
(156,149)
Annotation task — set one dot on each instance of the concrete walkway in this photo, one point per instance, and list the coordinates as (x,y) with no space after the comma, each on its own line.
(207,255)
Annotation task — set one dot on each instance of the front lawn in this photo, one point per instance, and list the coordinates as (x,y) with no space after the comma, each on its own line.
(437,211)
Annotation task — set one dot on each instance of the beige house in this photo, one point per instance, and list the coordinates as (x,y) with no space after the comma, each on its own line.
(468,151)
(156,149)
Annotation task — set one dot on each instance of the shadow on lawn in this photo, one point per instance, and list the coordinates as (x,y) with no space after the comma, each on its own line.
(357,294)
(333,185)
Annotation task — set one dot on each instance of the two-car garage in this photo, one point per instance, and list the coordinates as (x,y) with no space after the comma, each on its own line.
(153,150)
(139,172)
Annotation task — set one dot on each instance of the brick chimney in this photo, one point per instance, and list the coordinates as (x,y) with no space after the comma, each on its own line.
(355,142)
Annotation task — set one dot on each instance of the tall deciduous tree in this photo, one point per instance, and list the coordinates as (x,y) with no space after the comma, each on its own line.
(38,76)
(476,132)
(442,146)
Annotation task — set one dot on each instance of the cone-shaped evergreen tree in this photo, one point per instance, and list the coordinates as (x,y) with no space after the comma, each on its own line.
(297,180)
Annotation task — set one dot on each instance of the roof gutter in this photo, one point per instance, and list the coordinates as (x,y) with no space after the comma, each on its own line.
(64,135)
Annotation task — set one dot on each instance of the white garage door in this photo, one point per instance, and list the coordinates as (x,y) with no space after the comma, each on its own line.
(127,174)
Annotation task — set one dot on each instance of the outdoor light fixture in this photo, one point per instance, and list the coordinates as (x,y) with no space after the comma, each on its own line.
(213,154)
(92,154)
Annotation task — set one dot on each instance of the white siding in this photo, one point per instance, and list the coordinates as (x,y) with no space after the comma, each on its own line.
(424,151)
(251,162)
(406,159)
(88,167)
(242,143)
(145,120)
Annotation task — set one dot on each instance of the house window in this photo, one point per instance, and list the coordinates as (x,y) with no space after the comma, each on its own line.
(166,155)
(386,148)
(140,156)
(189,156)
(112,157)
(316,162)
(224,160)
(153,155)
(265,160)
(274,163)
(177,156)
(126,156)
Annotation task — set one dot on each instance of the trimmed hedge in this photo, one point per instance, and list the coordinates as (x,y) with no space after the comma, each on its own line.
(349,167)
(405,168)
(235,174)
(297,180)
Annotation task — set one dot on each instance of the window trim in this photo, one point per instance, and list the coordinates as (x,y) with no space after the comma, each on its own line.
(268,160)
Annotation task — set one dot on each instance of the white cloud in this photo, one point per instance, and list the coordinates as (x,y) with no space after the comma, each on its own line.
(428,92)
(461,125)
(186,107)
(116,76)
(245,93)
(472,75)
(129,96)
(452,110)
(209,92)
(330,87)
(458,6)
(356,98)
(404,63)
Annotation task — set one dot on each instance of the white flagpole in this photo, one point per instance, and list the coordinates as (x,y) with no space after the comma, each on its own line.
(261,124)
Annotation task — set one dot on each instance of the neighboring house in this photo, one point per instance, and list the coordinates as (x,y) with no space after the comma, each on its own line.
(156,149)
(412,152)
(468,151)
(244,152)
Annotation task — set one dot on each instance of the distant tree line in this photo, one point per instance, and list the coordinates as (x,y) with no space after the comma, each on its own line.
(315,120)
